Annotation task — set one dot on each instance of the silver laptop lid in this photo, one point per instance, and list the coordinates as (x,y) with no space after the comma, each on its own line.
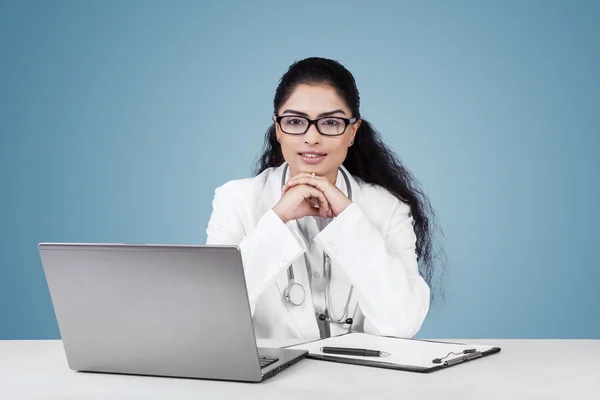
(153,309)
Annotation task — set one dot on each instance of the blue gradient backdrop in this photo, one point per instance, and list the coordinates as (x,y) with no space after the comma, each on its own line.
(118,120)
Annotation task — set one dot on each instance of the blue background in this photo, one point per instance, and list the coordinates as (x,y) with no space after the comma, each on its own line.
(118,120)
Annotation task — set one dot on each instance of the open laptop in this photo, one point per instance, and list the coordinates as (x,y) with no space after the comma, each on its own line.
(162,310)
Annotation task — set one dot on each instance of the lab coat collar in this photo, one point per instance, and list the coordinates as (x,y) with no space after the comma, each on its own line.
(303,315)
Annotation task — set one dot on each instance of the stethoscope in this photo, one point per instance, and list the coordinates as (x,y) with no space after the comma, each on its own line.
(295,294)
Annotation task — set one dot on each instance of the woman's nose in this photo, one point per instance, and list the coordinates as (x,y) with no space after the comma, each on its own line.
(312,135)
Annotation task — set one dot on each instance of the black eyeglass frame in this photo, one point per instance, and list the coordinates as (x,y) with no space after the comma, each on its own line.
(347,121)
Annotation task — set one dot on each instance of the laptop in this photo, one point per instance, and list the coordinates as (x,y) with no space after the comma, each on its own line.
(160,310)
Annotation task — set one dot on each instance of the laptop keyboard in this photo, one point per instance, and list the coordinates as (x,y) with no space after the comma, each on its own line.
(265,361)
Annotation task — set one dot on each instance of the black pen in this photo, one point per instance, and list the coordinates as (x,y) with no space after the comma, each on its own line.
(354,352)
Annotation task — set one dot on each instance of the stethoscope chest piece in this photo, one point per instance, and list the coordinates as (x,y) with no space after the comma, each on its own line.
(295,294)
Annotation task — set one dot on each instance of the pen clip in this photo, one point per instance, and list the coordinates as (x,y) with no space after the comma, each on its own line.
(466,357)
(466,351)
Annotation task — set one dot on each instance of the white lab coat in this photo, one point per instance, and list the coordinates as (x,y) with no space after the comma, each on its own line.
(371,245)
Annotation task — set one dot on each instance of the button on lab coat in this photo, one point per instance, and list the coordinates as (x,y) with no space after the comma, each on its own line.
(371,245)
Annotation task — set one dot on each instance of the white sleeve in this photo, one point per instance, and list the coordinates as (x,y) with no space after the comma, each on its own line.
(392,295)
(267,249)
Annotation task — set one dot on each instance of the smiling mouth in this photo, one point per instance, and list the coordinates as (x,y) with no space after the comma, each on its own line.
(312,155)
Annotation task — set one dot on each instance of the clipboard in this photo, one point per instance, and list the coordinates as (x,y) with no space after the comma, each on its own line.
(413,355)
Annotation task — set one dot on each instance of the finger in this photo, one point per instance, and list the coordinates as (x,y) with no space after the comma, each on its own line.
(318,183)
(295,178)
(313,212)
(301,174)
(310,194)
(323,202)
(323,210)
(288,185)
(320,211)
(292,184)
(315,202)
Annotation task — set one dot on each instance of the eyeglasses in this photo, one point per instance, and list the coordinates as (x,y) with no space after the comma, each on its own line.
(328,126)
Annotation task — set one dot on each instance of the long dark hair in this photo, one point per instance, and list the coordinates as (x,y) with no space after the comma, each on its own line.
(369,158)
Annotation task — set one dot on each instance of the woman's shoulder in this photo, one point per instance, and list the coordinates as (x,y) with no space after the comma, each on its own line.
(377,194)
(370,189)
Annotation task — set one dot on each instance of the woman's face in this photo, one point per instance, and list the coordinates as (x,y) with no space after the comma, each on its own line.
(315,102)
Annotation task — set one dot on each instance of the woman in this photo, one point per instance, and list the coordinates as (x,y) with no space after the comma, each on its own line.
(332,225)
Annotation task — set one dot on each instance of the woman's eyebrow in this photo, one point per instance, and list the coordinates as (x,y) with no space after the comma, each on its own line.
(288,111)
(325,114)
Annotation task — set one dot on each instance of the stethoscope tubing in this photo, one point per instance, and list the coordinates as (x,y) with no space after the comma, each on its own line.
(326,269)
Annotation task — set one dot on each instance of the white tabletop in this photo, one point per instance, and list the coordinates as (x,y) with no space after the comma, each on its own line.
(524,369)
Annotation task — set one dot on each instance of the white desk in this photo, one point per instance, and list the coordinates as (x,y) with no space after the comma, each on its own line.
(524,369)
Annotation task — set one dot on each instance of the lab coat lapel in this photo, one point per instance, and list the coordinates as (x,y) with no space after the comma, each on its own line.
(303,316)
(356,190)
(340,284)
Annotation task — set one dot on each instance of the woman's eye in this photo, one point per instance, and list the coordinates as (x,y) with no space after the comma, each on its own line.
(331,121)
(295,121)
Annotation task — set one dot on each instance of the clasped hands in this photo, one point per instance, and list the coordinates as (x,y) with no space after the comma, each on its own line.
(307,194)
